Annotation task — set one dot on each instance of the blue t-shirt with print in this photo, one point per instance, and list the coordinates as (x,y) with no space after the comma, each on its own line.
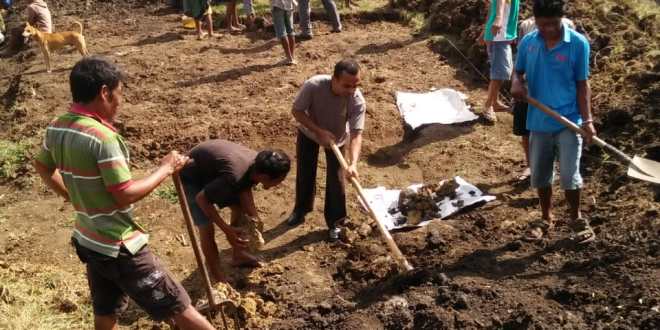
(552,76)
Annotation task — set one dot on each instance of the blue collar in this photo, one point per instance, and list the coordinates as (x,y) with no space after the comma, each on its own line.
(565,32)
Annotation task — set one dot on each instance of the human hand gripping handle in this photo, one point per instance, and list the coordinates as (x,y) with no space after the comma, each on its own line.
(326,138)
(174,161)
(587,130)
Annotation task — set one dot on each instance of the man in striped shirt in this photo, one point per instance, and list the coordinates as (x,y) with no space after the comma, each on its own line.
(85,160)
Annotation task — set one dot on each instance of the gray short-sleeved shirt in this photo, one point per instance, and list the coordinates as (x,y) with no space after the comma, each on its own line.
(337,114)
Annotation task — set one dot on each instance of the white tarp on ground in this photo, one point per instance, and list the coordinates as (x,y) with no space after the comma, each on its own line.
(443,106)
(382,200)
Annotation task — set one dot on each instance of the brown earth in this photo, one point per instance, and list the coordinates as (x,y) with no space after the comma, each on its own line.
(471,271)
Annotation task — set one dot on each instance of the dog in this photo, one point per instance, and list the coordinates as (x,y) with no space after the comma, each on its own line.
(53,41)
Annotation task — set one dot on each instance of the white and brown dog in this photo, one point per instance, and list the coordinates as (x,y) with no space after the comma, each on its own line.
(53,41)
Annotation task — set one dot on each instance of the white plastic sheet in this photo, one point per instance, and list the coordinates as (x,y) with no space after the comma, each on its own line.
(382,200)
(443,106)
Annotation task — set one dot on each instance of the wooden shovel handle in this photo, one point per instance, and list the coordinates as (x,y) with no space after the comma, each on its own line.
(577,129)
(183,202)
(394,249)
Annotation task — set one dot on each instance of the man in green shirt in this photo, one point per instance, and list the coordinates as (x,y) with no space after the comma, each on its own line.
(85,160)
(500,31)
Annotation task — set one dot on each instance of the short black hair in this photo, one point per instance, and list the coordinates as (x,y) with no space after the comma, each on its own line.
(347,66)
(88,77)
(274,163)
(548,8)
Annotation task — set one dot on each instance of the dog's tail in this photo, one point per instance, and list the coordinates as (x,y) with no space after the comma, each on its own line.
(80,26)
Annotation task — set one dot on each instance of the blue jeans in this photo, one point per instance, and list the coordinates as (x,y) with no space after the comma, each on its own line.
(501,60)
(544,148)
(304,10)
(282,22)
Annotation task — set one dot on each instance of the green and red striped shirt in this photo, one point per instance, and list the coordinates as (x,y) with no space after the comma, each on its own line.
(93,161)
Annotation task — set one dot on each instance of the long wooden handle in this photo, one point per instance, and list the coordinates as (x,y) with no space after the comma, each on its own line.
(193,238)
(577,129)
(394,249)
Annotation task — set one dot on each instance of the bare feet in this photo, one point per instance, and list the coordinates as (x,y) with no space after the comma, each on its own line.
(243,258)
(501,107)
(234,29)
(524,175)
(489,116)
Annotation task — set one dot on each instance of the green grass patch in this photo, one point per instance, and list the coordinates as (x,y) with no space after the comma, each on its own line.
(43,297)
(13,157)
(167,192)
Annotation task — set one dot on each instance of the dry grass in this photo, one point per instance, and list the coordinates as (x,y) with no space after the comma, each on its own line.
(43,297)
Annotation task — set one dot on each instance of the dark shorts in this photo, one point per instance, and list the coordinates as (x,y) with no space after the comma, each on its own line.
(520,119)
(141,277)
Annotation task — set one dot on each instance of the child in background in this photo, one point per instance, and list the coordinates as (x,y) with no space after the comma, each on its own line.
(248,11)
(283,22)
(200,9)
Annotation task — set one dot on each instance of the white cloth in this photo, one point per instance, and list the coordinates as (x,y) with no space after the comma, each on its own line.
(382,200)
(444,106)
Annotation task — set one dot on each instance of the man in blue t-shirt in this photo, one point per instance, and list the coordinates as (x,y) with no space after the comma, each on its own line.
(555,62)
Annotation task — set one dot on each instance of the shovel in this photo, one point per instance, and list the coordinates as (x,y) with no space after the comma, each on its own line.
(638,167)
(394,249)
(213,305)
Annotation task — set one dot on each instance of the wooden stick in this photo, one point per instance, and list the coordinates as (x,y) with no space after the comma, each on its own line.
(394,249)
(193,239)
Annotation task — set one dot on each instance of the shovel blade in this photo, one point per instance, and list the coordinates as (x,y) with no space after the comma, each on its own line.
(645,169)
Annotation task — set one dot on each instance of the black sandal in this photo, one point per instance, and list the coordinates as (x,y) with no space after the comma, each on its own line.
(537,230)
(582,231)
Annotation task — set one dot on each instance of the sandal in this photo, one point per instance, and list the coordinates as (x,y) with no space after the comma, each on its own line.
(525,175)
(582,231)
(489,116)
(537,230)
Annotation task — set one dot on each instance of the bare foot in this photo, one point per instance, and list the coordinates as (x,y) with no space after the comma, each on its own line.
(233,29)
(489,116)
(524,175)
(501,107)
(243,258)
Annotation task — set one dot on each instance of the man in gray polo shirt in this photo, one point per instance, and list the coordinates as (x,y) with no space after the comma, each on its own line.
(329,109)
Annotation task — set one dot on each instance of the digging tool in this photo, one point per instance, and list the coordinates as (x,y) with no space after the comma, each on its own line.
(212,305)
(638,167)
(394,249)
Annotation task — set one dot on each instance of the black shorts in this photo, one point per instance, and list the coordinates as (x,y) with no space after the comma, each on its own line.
(520,119)
(139,276)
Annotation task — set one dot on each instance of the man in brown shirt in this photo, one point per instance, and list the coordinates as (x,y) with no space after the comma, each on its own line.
(330,109)
(223,174)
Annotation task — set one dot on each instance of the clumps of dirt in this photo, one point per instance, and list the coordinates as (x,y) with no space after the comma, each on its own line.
(422,204)
(366,262)
(252,311)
